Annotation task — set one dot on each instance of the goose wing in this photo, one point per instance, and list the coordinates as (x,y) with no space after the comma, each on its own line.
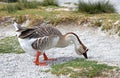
(46,37)
(41,31)
(46,42)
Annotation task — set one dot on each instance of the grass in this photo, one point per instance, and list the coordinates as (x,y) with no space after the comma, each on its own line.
(28,5)
(96,7)
(54,17)
(10,45)
(78,67)
(10,8)
(82,68)
(24,4)
(21,5)
(49,2)
(40,14)
(9,0)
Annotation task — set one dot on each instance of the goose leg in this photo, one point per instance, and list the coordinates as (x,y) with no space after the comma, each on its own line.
(37,62)
(46,58)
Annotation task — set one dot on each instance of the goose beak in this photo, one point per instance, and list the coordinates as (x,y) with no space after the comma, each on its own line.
(85,54)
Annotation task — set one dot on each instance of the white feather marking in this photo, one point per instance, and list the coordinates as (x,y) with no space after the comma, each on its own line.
(52,43)
(15,25)
(18,33)
(44,37)
(26,46)
(71,37)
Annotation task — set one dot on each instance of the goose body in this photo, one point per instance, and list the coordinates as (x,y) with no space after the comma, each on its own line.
(38,39)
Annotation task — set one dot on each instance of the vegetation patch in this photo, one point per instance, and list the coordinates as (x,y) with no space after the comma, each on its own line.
(21,5)
(95,7)
(82,68)
(49,3)
(10,45)
(9,0)
(53,15)
(24,4)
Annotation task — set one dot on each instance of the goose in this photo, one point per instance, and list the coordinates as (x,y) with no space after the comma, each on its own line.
(36,40)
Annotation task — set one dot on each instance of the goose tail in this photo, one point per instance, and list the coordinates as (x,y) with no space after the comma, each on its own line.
(16,25)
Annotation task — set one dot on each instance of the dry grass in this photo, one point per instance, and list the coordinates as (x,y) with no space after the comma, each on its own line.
(52,15)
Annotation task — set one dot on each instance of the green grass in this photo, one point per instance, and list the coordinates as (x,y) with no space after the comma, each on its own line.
(27,5)
(9,0)
(10,8)
(49,3)
(55,17)
(21,5)
(10,45)
(96,7)
(24,4)
(82,68)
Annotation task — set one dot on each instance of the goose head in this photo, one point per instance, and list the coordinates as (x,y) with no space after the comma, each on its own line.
(80,48)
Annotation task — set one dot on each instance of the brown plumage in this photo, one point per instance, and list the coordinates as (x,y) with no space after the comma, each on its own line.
(39,32)
(39,39)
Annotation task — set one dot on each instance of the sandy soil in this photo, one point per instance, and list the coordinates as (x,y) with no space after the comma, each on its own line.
(102,47)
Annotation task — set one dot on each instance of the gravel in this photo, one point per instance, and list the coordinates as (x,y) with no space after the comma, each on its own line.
(102,48)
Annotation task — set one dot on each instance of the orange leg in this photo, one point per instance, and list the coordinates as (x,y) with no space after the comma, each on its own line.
(46,58)
(37,62)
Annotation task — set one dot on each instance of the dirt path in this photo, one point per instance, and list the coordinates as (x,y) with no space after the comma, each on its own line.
(6,31)
(102,47)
